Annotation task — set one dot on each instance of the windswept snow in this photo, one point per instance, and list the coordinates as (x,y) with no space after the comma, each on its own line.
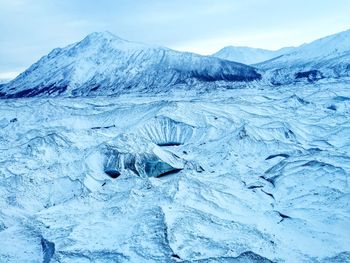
(265,176)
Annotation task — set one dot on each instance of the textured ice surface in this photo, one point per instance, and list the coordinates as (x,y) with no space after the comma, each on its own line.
(266,177)
(135,154)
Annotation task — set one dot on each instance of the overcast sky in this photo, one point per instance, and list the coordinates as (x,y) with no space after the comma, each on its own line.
(29,29)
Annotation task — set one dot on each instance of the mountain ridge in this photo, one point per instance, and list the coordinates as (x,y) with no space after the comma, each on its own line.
(327,57)
(105,64)
(249,55)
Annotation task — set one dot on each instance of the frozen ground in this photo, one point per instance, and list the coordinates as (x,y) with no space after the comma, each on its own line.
(264,174)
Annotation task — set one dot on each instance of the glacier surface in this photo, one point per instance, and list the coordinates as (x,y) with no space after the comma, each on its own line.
(262,175)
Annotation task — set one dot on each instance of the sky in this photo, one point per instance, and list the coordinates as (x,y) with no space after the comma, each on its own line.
(29,29)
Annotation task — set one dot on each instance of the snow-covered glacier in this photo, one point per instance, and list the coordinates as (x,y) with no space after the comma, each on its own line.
(260,175)
(115,151)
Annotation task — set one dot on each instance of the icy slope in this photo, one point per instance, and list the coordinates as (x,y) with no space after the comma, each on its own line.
(262,175)
(327,57)
(103,64)
(248,55)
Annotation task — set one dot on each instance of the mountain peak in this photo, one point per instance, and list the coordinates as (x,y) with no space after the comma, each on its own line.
(102,36)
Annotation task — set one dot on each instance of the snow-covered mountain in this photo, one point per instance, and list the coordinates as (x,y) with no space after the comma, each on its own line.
(105,64)
(248,55)
(328,57)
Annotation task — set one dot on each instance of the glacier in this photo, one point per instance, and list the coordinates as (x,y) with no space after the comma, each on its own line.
(115,151)
(273,183)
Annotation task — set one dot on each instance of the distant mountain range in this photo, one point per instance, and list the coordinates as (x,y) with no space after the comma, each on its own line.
(248,55)
(328,57)
(104,64)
